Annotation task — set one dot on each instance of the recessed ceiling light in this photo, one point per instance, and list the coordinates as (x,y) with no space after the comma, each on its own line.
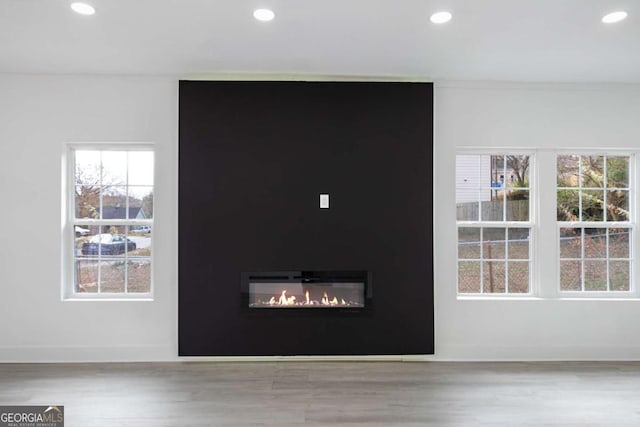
(263,14)
(441,17)
(613,17)
(83,8)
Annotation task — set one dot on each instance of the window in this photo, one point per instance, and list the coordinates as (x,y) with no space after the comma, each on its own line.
(568,219)
(495,223)
(109,222)
(595,231)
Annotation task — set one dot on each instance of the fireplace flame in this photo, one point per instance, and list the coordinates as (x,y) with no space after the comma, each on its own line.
(304,299)
(283,298)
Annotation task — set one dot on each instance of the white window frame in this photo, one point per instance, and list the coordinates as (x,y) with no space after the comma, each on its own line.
(69,222)
(545,228)
(634,244)
(504,224)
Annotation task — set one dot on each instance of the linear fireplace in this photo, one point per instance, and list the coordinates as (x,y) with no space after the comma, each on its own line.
(321,290)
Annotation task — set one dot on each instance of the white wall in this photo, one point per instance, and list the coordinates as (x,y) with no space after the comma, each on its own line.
(38,114)
(527,116)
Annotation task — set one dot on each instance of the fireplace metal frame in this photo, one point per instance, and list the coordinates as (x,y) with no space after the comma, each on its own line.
(307,276)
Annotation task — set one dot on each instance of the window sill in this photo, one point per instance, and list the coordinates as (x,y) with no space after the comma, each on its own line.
(597,298)
(109,299)
(498,298)
(534,298)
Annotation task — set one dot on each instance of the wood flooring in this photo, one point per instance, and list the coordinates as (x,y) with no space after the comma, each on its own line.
(330,393)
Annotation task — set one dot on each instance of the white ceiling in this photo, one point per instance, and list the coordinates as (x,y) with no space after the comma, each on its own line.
(515,40)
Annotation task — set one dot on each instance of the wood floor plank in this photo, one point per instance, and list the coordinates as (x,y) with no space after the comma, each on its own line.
(331,393)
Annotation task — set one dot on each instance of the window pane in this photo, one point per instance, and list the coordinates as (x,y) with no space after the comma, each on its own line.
(595,243)
(473,182)
(90,245)
(83,234)
(493,240)
(492,210)
(467,211)
(468,277)
(602,255)
(110,241)
(599,244)
(619,275)
(141,168)
(86,276)
(570,275)
(493,188)
(114,185)
(619,242)
(571,243)
(493,277)
(114,168)
(592,203)
(112,275)
(518,205)
(87,201)
(497,176)
(568,205)
(140,202)
(87,167)
(473,171)
(518,243)
(140,236)
(114,202)
(617,172)
(468,243)
(595,275)
(592,171)
(139,275)
(518,277)
(568,171)
(617,205)
(489,245)
(517,171)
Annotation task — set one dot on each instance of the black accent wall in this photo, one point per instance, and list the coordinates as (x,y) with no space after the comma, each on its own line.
(254,158)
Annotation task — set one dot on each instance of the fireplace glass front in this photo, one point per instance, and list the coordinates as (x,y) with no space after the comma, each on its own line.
(307,289)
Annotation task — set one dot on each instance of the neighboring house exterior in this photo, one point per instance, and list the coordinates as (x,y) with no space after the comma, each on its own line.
(117,212)
(473,178)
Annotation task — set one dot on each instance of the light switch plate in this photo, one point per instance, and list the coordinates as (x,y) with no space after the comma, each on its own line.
(324,201)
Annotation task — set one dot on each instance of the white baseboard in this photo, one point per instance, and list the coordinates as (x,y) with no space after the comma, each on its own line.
(86,354)
(464,353)
(364,358)
(445,353)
